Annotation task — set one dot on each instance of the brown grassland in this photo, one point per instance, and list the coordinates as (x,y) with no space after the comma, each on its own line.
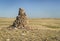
(42,29)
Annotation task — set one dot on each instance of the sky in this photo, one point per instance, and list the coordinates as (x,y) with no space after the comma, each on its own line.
(33,8)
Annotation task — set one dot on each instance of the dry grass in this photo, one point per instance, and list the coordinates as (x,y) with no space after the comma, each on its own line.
(41,30)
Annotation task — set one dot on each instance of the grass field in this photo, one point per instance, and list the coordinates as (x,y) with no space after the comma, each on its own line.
(42,29)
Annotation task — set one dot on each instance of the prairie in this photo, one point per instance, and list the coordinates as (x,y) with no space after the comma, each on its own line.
(42,29)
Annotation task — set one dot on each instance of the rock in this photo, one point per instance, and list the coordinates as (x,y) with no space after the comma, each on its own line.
(21,20)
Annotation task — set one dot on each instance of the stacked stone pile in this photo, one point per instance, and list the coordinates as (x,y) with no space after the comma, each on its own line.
(21,20)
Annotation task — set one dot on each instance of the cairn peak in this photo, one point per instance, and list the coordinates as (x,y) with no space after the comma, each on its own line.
(21,11)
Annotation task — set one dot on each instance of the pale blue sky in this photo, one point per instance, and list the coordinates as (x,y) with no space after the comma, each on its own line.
(33,8)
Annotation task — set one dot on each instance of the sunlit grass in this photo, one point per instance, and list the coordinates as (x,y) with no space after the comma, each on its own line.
(40,34)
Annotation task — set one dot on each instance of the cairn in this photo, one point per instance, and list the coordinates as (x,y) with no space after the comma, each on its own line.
(21,20)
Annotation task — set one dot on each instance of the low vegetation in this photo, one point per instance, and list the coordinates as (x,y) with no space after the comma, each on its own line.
(41,30)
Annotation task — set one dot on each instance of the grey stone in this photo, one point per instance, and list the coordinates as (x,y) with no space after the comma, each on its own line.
(21,20)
